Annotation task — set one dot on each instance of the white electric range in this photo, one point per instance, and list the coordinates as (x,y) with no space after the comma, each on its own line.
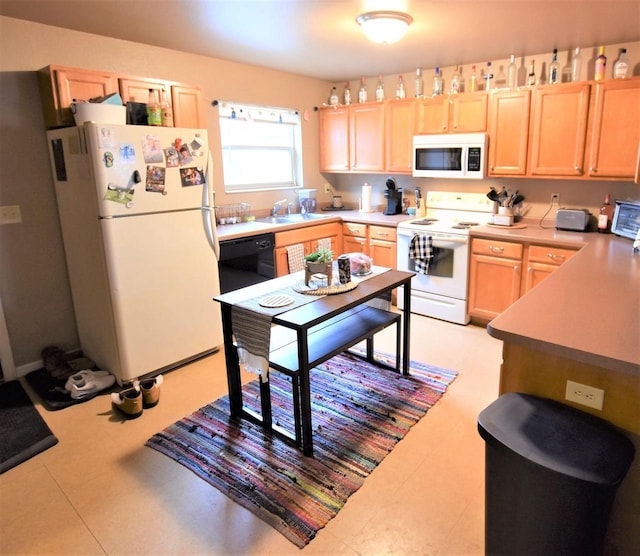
(442,292)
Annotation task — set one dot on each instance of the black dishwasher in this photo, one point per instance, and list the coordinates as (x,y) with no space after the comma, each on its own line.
(246,261)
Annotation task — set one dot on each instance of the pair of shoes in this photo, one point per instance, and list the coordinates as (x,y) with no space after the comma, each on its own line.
(142,395)
(88,383)
(128,401)
(151,391)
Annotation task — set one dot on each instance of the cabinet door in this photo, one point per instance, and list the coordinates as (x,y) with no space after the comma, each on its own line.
(382,245)
(333,125)
(137,90)
(366,128)
(399,136)
(559,122)
(61,85)
(352,244)
(468,113)
(187,106)
(509,132)
(542,261)
(616,129)
(494,284)
(432,115)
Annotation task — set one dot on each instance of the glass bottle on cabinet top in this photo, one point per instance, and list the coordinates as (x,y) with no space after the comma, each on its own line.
(473,80)
(418,84)
(438,83)
(454,86)
(621,67)
(576,65)
(346,94)
(333,97)
(380,89)
(554,68)
(601,65)
(512,73)
(488,78)
(531,77)
(362,92)
(400,90)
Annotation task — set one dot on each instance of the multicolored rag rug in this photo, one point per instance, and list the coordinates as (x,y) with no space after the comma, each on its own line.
(360,411)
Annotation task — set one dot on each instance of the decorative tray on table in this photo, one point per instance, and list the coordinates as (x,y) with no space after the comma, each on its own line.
(319,287)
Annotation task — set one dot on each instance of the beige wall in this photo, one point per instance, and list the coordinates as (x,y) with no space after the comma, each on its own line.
(34,286)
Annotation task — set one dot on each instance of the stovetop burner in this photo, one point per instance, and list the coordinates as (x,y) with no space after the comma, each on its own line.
(425,221)
(465,225)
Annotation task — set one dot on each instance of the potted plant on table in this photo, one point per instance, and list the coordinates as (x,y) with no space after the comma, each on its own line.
(318,262)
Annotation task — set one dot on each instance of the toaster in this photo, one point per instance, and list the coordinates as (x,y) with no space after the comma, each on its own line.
(576,220)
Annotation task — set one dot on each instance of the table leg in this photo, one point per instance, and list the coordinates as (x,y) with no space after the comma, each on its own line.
(406,317)
(232,363)
(305,393)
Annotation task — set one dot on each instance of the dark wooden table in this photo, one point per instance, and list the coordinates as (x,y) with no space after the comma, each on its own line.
(323,328)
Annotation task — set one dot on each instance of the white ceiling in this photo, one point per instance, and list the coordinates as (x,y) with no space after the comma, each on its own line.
(320,38)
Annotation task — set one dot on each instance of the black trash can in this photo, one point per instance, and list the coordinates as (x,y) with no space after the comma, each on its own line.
(551,475)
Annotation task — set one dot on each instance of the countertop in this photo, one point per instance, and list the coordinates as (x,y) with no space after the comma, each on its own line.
(587,310)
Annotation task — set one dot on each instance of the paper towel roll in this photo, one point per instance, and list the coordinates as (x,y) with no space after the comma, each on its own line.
(366,198)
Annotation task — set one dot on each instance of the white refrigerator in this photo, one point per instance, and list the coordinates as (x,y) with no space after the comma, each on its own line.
(136,211)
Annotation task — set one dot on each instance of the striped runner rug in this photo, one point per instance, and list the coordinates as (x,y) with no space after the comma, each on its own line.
(360,411)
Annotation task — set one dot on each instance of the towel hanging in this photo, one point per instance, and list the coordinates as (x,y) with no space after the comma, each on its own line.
(421,251)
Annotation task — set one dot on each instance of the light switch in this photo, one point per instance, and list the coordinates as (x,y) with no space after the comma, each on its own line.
(10,214)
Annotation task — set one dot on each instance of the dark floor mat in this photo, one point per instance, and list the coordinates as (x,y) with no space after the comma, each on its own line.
(23,433)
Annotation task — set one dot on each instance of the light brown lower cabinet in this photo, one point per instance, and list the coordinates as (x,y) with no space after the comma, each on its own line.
(496,277)
(308,237)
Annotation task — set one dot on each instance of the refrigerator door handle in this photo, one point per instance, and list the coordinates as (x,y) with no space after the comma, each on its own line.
(208,211)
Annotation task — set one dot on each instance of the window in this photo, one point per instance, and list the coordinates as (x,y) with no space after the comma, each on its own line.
(261,147)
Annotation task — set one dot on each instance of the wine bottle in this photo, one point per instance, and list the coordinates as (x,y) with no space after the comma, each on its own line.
(621,67)
(380,89)
(400,90)
(419,84)
(531,77)
(576,66)
(438,83)
(554,68)
(362,93)
(601,65)
(605,217)
(512,73)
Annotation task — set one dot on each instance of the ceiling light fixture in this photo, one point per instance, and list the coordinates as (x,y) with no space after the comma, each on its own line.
(384,27)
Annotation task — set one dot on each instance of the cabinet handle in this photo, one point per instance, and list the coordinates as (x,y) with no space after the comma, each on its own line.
(578,169)
(444,126)
(383,234)
(491,168)
(593,170)
(494,249)
(555,256)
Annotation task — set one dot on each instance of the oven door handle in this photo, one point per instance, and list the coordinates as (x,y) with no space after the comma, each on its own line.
(453,239)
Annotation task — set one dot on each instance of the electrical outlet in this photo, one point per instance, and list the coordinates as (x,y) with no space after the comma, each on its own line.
(555,197)
(10,214)
(584,395)
(327,188)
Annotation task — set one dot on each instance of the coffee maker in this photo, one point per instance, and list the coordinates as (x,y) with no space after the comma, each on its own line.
(393,195)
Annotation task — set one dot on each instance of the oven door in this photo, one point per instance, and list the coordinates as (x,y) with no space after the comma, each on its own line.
(441,293)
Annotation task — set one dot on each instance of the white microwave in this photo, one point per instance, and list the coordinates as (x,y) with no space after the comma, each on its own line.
(457,155)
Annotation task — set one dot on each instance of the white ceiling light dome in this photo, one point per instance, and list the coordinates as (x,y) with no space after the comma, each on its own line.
(384,27)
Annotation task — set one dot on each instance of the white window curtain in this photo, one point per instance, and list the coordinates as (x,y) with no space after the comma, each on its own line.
(261,147)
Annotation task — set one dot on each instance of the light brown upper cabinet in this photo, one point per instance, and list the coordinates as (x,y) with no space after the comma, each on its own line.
(559,116)
(366,137)
(333,125)
(615,136)
(399,136)
(461,113)
(60,86)
(509,132)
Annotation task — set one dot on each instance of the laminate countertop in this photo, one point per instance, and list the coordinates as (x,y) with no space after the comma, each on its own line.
(588,310)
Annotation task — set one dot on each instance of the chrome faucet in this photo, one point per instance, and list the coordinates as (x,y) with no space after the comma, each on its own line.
(276,207)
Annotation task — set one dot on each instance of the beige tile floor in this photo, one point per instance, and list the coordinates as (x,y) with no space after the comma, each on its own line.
(101,491)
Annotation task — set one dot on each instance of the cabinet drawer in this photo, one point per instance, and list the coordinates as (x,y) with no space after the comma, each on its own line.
(352,229)
(495,248)
(384,233)
(549,255)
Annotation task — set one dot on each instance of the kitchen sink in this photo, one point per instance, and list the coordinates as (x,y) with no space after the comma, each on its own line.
(291,218)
